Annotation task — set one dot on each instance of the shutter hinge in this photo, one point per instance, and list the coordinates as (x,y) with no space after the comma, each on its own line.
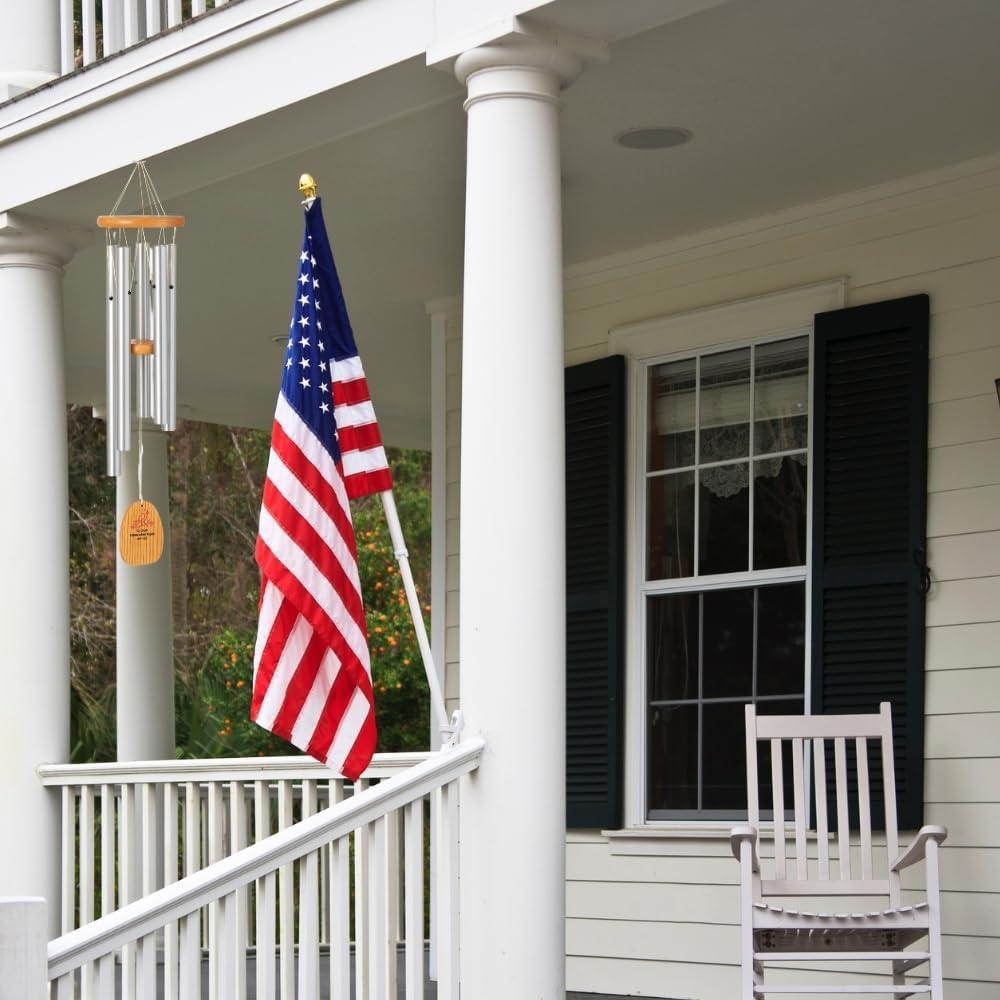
(924,571)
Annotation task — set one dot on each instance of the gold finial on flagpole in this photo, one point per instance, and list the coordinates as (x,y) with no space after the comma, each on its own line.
(307,185)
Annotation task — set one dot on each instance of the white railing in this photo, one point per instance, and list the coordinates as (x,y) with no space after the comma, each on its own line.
(265,902)
(108,26)
(130,828)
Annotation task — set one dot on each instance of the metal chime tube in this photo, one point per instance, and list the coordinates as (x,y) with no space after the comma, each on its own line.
(170,344)
(114,455)
(123,325)
(153,326)
(144,381)
(160,266)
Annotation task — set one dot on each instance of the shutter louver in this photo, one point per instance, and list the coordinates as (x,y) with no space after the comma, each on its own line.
(595,482)
(869,514)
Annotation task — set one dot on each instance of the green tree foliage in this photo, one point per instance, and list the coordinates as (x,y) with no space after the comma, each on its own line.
(216,476)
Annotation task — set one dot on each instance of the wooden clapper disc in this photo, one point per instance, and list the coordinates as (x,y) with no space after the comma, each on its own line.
(140,538)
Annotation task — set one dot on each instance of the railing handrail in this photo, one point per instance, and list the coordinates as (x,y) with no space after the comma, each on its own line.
(383,765)
(133,921)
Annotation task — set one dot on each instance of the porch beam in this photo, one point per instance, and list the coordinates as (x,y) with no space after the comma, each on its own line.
(512,571)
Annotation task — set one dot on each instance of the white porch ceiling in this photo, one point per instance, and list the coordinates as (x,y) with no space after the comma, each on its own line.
(789,101)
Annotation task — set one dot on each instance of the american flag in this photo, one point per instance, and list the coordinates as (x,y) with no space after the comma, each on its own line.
(312,673)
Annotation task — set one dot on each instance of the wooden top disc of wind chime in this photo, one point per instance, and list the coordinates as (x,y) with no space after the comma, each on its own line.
(140,538)
(140,221)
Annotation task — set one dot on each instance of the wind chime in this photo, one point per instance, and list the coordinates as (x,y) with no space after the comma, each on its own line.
(141,345)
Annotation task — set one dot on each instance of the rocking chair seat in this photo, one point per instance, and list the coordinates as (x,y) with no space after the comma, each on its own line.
(783,929)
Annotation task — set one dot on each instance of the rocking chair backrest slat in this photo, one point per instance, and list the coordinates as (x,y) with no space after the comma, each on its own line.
(801,810)
(808,735)
(843,826)
(864,807)
(753,797)
(822,829)
(778,787)
(889,795)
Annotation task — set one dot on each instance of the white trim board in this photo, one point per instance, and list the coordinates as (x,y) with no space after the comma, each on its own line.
(740,320)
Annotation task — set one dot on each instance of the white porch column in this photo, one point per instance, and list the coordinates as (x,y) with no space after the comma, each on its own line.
(144,620)
(29,44)
(513,829)
(34,541)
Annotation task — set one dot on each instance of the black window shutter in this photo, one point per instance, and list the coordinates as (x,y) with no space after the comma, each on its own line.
(595,510)
(869,514)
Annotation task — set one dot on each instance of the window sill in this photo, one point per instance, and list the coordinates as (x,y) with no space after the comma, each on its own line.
(653,840)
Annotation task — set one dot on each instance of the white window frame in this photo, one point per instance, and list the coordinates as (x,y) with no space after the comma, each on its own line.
(776,316)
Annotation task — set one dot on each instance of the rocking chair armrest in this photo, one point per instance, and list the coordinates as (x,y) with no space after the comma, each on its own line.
(916,851)
(737,836)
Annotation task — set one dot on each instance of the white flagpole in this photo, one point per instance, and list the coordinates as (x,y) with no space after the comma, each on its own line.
(403,559)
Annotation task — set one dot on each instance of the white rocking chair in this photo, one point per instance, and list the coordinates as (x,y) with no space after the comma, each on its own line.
(884,931)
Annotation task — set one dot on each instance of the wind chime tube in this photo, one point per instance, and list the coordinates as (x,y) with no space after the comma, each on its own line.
(111,381)
(170,342)
(123,318)
(161,355)
(155,335)
(144,382)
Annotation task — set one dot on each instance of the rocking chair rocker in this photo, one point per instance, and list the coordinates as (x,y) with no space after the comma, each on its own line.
(883,932)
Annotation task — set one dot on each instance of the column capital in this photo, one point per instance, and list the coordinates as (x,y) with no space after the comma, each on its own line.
(28,242)
(529,61)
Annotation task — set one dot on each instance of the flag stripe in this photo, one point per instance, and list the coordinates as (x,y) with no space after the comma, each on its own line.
(366,483)
(372,460)
(347,369)
(360,438)
(354,391)
(355,415)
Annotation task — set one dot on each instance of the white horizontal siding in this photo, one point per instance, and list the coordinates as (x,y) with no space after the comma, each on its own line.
(953,647)
(665,925)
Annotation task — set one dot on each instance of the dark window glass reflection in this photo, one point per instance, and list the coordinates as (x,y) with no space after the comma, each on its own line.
(673,757)
(727,649)
(670,526)
(672,646)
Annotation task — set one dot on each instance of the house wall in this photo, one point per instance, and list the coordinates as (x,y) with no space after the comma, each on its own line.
(656,915)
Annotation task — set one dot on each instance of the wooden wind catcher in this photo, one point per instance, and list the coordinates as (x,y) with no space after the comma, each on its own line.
(141,316)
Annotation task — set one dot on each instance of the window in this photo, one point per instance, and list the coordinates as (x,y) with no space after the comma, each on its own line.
(798,581)
(725,512)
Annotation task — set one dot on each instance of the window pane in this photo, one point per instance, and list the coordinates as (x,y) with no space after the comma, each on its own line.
(780,497)
(671,415)
(725,406)
(670,520)
(672,646)
(724,519)
(724,773)
(673,757)
(781,396)
(727,643)
(781,642)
